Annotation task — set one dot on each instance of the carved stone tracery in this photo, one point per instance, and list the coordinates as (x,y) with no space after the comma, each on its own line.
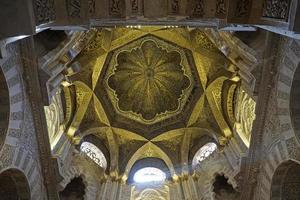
(221,7)
(134,6)
(278,9)
(242,8)
(44,11)
(245,114)
(74,8)
(198,9)
(174,6)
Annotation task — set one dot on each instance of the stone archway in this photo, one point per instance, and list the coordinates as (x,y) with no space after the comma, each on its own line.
(223,190)
(286,181)
(4,108)
(14,185)
(295,102)
(74,190)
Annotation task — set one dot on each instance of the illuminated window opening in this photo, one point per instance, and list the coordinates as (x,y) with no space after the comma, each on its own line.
(94,153)
(204,152)
(149,175)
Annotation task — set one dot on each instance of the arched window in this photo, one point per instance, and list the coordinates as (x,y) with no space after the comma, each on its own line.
(203,153)
(149,175)
(94,153)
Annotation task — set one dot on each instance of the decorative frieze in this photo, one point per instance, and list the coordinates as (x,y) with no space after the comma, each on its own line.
(221,7)
(174,6)
(276,9)
(73,8)
(198,10)
(292,148)
(7,156)
(115,8)
(44,11)
(134,6)
(91,4)
(295,47)
(242,8)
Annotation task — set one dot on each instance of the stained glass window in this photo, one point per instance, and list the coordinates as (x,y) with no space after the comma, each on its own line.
(203,153)
(94,153)
(149,174)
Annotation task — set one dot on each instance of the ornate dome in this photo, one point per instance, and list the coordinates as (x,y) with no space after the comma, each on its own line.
(149,80)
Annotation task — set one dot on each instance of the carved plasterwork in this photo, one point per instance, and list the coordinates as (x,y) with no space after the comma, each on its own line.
(91,7)
(276,9)
(54,117)
(204,152)
(150,193)
(94,153)
(134,6)
(198,9)
(175,6)
(245,115)
(73,8)
(44,11)
(202,41)
(221,7)
(242,8)
(115,7)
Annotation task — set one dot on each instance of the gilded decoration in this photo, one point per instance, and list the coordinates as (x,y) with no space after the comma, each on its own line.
(245,115)
(146,89)
(149,80)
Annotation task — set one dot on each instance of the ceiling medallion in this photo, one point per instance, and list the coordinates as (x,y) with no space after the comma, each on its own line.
(149,80)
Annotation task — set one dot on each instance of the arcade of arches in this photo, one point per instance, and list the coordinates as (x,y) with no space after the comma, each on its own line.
(150,100)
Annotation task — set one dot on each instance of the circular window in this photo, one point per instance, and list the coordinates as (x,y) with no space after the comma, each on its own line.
(204,152)
(149,175)
(93,152)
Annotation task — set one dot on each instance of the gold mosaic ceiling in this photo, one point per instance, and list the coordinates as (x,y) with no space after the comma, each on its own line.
(152,82)
(149,80)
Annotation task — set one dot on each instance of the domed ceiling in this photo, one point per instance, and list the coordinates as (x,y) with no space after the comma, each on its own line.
(151,91)
(149,81)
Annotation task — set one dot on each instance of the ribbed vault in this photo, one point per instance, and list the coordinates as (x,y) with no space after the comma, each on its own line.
(152,92)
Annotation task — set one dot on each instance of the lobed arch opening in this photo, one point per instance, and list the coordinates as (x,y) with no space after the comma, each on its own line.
(14,185)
